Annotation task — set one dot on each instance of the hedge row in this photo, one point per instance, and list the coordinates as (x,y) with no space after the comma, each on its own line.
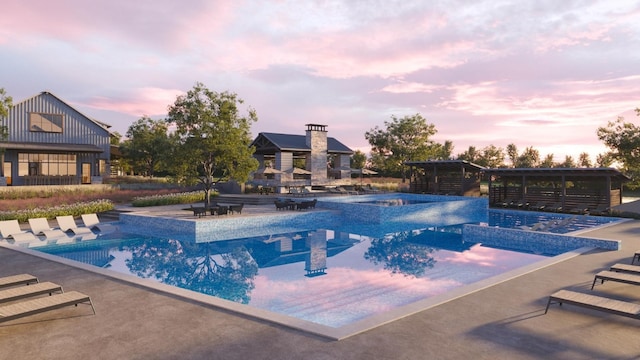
(169,199)
(76,209)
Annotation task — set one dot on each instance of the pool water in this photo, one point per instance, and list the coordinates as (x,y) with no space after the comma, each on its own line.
(322,276)
(393,202)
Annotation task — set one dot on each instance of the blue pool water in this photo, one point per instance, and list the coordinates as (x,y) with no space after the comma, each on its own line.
(322,276)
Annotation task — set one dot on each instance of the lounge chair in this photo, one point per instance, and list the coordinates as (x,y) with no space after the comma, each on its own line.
(20,279)
(633,269)
(43,304)
(636,256)
(10,229)
(92,222)
(22,292)
(40,226)
(612,306)
(68,224)
(620,277)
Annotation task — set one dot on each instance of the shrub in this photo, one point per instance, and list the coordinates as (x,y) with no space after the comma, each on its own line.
(61,210)
(169,199)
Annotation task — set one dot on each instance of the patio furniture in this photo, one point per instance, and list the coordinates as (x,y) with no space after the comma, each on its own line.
(10,229)
(620,277)
(636,256)
(43,304)
(40,226)
(22,292)
(20,279)
(68,224)
(92,222)
(236,208)
(199,211)
(600,303)
(634,269)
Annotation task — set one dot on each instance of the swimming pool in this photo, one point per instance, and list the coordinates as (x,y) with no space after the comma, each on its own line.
(333,275)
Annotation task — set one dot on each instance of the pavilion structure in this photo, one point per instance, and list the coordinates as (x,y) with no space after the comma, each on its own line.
(445,177)
(577,190)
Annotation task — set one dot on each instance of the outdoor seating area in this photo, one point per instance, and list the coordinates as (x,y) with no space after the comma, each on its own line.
(40,231)
(216,209)
(290,204)
(622,273)
(22,293)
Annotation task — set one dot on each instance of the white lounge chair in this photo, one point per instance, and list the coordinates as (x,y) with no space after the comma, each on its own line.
(10,229)
(40,226)
(68,224)
(92,222)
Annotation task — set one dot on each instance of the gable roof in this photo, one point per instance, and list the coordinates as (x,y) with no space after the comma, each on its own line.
(274,142)
(101,124)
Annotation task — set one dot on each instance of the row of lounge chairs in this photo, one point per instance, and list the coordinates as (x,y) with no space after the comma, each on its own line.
(40,228)
(553,207)
(622,273)
(20,296)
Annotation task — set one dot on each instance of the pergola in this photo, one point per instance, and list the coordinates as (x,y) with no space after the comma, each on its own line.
(563,188)
(445,177)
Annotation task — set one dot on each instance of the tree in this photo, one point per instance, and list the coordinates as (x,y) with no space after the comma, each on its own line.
(147,145)
(584,160)
(548,162)
(470,155)
(6,103)
(530,158)
(512,152)
(489,156)
(623,140)
(568,162)
(404,139)
(212,137)
(358,160)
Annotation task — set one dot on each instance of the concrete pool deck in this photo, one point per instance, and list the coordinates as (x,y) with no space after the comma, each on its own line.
(503,321)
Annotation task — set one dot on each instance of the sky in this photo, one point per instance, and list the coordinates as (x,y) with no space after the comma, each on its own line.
(545,74)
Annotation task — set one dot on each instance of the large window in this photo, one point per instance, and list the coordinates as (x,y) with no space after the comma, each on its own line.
(47,164)
(45,122)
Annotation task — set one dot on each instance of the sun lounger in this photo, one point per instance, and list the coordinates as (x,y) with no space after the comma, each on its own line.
(43,304)
(10,229)
(40,226)
(17,293)
(617,277)
(20,279)
(636,256)
(68,224)
(91,221)
(634,269)
(589,301)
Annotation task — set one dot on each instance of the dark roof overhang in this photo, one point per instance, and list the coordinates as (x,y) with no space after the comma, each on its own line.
(77,148)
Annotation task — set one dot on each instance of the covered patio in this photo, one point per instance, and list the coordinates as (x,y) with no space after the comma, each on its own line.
(577,190)
(445,177)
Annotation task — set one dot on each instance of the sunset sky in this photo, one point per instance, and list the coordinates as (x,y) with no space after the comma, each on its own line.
(545,74)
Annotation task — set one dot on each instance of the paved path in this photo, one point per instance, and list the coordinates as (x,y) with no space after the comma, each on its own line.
(504,321)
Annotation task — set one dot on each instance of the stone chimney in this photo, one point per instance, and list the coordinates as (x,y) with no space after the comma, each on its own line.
(316,139)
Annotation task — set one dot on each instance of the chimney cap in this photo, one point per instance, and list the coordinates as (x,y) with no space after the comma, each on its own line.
(316,127)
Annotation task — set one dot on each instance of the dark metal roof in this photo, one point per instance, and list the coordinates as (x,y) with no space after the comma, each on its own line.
(295,143)
(447,164)
(78,148)
(555,172)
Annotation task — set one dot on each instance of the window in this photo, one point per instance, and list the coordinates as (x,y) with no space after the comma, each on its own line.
(47,164)
(45,122)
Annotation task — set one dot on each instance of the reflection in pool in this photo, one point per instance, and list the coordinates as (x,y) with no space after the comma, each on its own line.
(323,276)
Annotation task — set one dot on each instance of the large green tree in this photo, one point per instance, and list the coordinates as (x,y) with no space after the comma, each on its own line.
(213,137)
(623,140)
(6,103)
(147,145)
(489,156)
(358,160)
(404,139)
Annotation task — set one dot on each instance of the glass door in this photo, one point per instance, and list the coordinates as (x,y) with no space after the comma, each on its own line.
(86,173)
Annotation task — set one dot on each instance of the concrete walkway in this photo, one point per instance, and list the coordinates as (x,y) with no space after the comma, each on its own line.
(504,321)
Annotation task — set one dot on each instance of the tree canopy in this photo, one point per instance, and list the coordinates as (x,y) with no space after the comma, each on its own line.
(212,137)
(6,103)
(404,139)
(147,145)
(623,140)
